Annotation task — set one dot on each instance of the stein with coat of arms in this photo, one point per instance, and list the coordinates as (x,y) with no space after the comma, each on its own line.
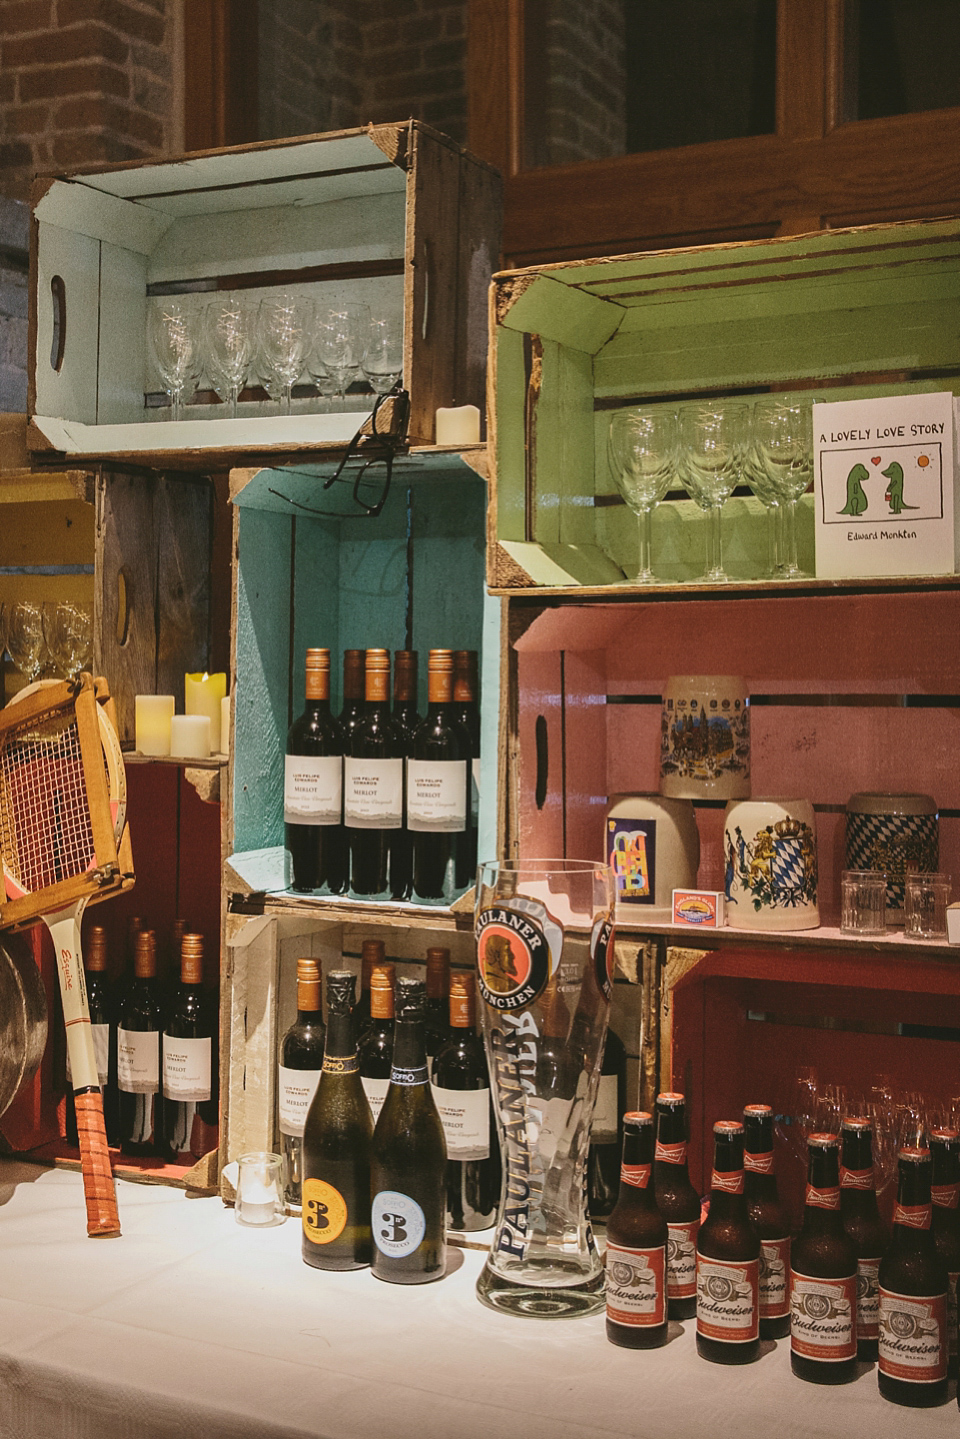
(770,864)
(544,934)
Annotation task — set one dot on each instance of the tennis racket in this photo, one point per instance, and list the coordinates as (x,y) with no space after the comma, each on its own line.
(62,806)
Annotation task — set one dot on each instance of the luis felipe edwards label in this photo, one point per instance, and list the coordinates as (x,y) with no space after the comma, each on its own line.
(518,948)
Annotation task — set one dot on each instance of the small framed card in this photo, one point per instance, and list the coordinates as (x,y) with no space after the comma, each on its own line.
(883,481)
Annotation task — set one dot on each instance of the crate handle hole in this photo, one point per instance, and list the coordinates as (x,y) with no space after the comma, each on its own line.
(123,605)
(59,293)
(543,767)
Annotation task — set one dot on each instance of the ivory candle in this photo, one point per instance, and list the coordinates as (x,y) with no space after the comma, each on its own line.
(203,694)
(459,426)
(152,723)
(225,725)
(190,736)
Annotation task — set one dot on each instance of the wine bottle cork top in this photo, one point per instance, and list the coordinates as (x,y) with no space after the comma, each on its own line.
(381,991)
(438,972)
(308,984)
(145,954)
(95,958)
(341,988)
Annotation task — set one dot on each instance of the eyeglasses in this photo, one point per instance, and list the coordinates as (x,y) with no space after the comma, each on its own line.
(370,447)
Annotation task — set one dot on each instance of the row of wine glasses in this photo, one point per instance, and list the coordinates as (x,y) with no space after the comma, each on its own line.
(708,448)
(277,340)
(52,638)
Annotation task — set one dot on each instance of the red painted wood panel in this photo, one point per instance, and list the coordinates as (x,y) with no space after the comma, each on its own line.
(199,873)
(33,1116)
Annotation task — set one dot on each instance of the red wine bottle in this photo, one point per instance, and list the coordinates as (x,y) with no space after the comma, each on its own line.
(466,711)
(462,1094)
(138,1054)
(437,793)
(375,1051)
(301,1060)
(313,788)
(103,1028)
(373,785)
(189,1063)
(406,719)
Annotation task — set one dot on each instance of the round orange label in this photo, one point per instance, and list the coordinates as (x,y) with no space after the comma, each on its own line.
(324,1211)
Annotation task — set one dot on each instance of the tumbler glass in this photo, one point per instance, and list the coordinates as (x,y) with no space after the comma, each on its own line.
(925,905)
(863,901)
(544,932)
(259,1200)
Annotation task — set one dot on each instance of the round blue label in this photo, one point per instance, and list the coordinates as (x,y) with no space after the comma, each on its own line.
(398,1223)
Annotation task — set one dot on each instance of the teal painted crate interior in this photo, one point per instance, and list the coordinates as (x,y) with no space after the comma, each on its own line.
(842,314)
(411,577)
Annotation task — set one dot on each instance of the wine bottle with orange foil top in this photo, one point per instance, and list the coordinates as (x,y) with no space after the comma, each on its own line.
(372,953)
(636,1257)
(375,1050)
(678,1202)
(406,721)
(913,1294)
(373,784)
(865,1229)
(944,1192)
(728,1259)
(301,1060)
(314,836)
(190,1070)
(769,1219)
(823,1282)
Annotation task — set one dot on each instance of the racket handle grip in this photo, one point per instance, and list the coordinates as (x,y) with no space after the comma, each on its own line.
(98,1187)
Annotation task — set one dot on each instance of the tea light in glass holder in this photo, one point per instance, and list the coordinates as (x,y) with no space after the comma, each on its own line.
(259,1200)
(153,714)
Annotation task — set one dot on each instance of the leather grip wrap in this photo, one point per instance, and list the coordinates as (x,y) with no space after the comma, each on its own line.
(98,1187)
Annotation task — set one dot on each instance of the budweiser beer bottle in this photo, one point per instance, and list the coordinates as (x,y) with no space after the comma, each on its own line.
(823,1303)
(679,1204)
(913,1295)
(944,1191)
(728,1259)
(637,1247)
(769,1220)
(864,1227)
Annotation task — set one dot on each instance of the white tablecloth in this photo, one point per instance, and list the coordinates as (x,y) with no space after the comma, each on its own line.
(190,1325)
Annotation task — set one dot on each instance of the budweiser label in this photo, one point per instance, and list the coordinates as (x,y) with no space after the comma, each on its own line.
(636,1174)
(912,1337)
(758,1163)
(856,1178)
(823,1198)
(774,1277)
(868,1299)
(728,1299)
(730,1182)
(671,1153)
(822,1318)
(914,1216)
(635,1286)
(945,1195)
(682,1259)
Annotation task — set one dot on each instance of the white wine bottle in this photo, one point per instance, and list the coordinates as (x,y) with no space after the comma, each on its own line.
(461,1091)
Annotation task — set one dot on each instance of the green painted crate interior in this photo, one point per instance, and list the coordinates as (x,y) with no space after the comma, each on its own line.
(842,314)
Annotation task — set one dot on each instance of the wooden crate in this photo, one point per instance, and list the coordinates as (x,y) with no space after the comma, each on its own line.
(394,215)
(846,313)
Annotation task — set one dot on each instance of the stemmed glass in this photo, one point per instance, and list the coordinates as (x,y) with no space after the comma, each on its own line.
(713,441)
(782,446)
(68,631)
(382,359)
(755,474)
(643,449)
(228,336)
(284,330)
(341,339)
(174,332)
(25,640)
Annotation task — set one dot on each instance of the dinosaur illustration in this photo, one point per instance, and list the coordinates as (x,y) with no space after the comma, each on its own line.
(894,495)
(856,497)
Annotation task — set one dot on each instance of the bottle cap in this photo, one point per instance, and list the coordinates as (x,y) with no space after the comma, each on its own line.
(341,987)
(670,1100)
(410,998)
(856,1123)
(145,954)
(95,953)
(760,1111)
(377,683)
(637,1119)
(727,1128)
(317,681)
(191,959)
(318,659)
(378,660)
(308,970)
(944,1136)
(914,1154)
(822,1141)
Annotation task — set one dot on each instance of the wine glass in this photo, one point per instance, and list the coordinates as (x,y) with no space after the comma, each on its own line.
(228,335)
(174,333)
(25,641)
(713,443)
(643,444)
(782,444)
(341,339)
(284,329)
(760,483)
(68,631)
(382,359)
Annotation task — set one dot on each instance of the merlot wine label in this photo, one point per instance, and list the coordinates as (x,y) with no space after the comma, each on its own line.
(636,1175)
(758,1163)
(513,957)
(603,1126)
(823,1198)
(671,1153)
(913,1343)
(728,1299)
(913,1216)
(186,1068)
(138,1061)
(636,1286)
(398,1223)
(730,1182)
(373,793)
(682,1259)
(868,1299)
(324,1214)
(376,1092)
(856,1178)
(101,1050)
(437,795)
(774,1278)
(602,954)
(295,1091)
(822,1317)
(312,789)
(465,1116)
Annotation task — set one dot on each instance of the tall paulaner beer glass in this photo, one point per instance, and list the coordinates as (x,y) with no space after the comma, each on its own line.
(544,932)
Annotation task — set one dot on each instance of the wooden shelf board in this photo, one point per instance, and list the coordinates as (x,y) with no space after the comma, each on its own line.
(618,594)
(336,910)
(61,1155)
(827,936)
(213,762)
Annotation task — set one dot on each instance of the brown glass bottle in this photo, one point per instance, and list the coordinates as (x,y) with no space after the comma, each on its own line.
(769,1219)
(637,1246)
(354,669)
(301,1060)
(823,1281)
(865,1229)
(913,1294)
(371,954)
(406,719)
(944,1192)
(679,1204)
(466,711)
(728,1259)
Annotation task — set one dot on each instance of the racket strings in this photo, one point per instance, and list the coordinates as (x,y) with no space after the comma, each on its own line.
(45,830)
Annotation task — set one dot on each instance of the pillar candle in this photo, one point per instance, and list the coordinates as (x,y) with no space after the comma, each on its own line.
(203,694)
(153,716)
(460,426)
(190,736)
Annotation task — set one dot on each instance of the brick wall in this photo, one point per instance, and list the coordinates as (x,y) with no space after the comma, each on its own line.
(585,113)
(309,66)
(414,64)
